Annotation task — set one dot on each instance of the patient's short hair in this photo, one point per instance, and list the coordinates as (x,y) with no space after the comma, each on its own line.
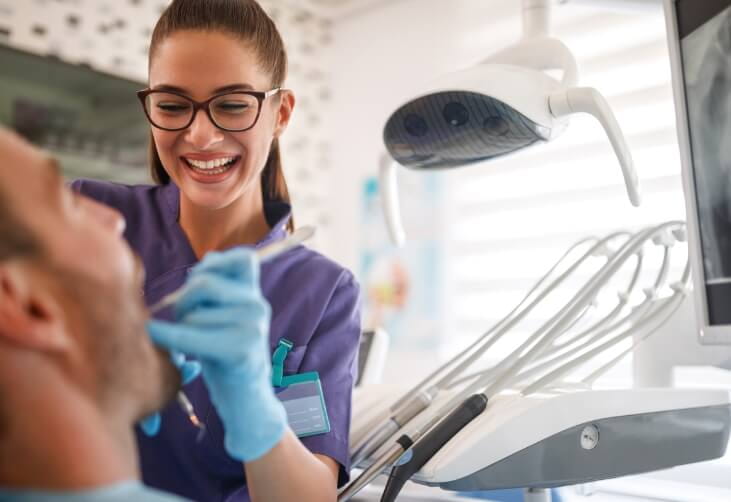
(16,239)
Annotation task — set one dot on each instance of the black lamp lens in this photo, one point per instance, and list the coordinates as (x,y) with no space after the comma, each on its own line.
(456,114)
(415,125)
(496,126)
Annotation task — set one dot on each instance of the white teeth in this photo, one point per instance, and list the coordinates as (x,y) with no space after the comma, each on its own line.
(210,164)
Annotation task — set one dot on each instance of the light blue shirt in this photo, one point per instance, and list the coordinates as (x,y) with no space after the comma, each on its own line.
(121,492)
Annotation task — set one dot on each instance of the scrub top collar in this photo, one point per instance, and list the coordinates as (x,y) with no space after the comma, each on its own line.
(277,214)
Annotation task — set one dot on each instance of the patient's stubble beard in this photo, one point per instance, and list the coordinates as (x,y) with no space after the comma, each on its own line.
(131,371)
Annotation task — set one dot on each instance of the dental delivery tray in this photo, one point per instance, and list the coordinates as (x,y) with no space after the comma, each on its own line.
(565,437)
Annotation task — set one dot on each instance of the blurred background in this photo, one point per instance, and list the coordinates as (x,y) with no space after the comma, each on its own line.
(479,237)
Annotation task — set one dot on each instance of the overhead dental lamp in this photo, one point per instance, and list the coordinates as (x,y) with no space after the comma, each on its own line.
(505,104)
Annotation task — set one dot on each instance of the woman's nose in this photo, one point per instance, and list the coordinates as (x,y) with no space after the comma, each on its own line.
(202,133)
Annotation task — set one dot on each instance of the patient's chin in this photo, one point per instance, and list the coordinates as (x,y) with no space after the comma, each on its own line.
(163,386)
(169,377)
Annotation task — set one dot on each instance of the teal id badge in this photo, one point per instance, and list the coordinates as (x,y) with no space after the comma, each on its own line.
(301,395)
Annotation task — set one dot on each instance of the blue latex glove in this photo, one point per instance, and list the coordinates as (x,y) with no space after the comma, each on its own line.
(223,320)
(189,370)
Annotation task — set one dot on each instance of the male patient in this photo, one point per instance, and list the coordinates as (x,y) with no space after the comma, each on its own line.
(77,367)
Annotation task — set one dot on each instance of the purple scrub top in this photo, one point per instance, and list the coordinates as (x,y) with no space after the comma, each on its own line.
(315,304)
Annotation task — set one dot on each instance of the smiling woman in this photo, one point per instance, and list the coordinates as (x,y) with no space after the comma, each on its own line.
(188,35)
(217,107)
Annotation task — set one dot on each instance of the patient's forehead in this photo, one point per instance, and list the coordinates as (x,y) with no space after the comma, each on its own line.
(21,164)
(14,146)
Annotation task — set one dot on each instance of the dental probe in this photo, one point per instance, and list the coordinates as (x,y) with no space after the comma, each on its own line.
(264,253)
(187,407)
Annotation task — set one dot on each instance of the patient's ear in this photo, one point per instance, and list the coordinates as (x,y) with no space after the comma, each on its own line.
(29,315)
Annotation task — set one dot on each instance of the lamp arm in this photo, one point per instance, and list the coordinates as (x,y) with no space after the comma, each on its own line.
(390,199)
(589,100)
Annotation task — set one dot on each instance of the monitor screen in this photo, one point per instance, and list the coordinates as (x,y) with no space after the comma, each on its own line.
(704,32)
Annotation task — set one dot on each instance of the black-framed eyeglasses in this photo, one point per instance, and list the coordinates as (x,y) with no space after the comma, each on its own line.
(231,111)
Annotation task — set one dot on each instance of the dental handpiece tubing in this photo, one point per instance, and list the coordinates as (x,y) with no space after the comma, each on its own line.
(397,449)
(380,435)
(426,447)
(458,364)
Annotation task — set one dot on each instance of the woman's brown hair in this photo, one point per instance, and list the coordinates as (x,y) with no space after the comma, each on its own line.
(247,21)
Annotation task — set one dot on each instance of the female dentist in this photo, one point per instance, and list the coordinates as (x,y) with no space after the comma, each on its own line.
(217,109)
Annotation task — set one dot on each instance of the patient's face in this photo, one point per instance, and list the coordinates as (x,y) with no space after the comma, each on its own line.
(95,277)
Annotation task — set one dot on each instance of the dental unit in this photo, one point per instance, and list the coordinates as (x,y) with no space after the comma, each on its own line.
(537,366)
(533,419)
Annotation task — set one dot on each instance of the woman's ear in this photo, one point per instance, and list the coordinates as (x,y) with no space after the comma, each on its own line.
(30,316)
(286,106)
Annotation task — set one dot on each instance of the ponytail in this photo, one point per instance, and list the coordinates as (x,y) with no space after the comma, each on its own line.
(273,184)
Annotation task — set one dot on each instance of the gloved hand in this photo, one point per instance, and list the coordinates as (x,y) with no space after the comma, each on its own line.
(223,319)
(189,370)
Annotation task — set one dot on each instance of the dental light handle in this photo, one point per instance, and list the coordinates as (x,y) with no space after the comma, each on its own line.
(589,100)
(390,200)
(425,448)
(388,459)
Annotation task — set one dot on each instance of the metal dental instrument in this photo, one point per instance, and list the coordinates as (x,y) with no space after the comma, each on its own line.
(187,407)
(264,253)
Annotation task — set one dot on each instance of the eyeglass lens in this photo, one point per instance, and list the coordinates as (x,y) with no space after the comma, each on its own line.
(230,111)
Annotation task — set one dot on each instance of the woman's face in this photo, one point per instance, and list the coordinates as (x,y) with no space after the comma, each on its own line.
(200,64)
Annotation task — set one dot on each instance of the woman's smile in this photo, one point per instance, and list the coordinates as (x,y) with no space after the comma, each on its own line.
(210,168)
